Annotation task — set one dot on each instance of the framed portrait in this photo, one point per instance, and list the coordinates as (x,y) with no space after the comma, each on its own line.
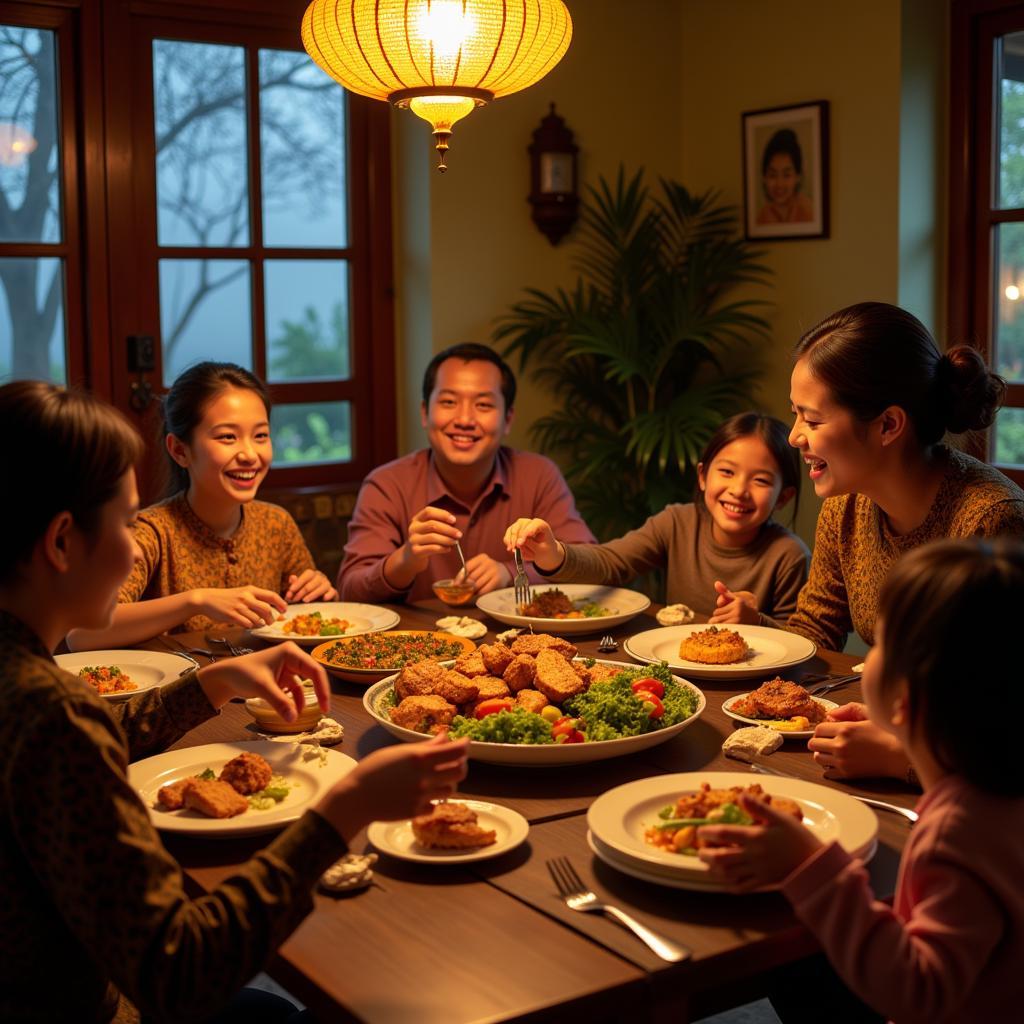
(785,172)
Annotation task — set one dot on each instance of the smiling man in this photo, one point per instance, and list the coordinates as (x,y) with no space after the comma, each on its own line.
(466,487)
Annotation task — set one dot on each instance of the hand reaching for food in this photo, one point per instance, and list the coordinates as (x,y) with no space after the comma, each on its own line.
(850,747)
(487,574)
(748,857)
(734,606)
(276,675)
(537,542)
(244,606)
(310,585)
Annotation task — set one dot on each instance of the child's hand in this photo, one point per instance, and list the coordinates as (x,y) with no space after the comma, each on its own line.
(275,674)
(851,747)
(749,856)
(244,606)
(852,712)
(537,543)
(310,585)
(395,782)
(734,606)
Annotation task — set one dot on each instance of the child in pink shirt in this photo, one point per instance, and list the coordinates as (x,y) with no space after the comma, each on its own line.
(951,948)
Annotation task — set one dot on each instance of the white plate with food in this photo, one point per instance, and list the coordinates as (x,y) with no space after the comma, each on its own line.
(792,727)
(399,839)
(625,821)
(758,651)
(581,608)
(118,675)
(311,624)
(536,749)
(305,772)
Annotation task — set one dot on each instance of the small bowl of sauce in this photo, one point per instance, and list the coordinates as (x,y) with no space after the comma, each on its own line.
(454,592)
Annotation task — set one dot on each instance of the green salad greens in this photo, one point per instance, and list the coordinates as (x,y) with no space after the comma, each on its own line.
(515,726)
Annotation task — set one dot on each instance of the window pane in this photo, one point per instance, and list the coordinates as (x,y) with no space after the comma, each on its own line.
(307,319)
(204,313)
(311,432)
(302,152)
(32,343)
(1010,437)
(29,144)
(1009,302)
(202,178)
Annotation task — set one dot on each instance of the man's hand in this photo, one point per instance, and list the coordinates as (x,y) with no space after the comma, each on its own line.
(486,574)
(432,531)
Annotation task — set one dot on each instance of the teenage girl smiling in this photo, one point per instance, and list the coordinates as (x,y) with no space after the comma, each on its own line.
(747,471)
(211,553)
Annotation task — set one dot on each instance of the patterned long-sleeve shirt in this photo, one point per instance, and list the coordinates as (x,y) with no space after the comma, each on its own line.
(94,918)
(180,552)
(854,546)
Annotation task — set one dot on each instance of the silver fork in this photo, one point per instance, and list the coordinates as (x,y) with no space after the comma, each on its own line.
(906,812)
(236,652)
(521,583)
(607,644)
(578,897)
(831,684)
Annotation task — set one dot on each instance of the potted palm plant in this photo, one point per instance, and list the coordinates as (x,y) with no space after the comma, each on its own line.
(649,351)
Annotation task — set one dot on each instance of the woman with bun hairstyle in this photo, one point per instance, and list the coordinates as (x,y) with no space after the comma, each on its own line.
(211,553)
(873,398)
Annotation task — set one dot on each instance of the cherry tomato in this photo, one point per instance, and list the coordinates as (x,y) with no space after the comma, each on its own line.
(565,726)
(653,703)
(493,706)
(576,737)
(649,685)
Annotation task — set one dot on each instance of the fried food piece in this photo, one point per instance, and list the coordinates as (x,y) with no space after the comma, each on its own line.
(583,672)
(496,658)
(471,664)
(779,698)
(451,826)
(548,604)
(701,803)
(214,798)
(429,714)
(599,673)
(419,679)
(456,688)
(714,646)
(520,672)
(491,686)
(532,700)
(534,643)
(247,773)
(556,678)
(172,796)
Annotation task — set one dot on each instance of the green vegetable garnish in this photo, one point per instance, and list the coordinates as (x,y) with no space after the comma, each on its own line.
(515,726)
(208,774)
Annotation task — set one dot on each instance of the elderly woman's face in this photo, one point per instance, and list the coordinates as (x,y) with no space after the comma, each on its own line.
(781,179)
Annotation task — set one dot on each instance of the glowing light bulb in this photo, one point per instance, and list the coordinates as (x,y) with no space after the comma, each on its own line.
(1012,292)
(446,27)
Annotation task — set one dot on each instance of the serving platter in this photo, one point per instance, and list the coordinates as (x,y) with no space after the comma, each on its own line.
(367,675)
(622,605)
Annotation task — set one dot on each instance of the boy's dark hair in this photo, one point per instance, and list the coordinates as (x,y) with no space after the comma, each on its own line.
(469,352)
(185,403)
(66,451)
(873,355)
(950,613)
(775,435)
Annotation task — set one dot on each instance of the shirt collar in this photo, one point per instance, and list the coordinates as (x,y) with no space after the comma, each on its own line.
(437,489)
(201,530)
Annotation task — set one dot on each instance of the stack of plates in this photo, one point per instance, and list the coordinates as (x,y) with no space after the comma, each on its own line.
(617,821)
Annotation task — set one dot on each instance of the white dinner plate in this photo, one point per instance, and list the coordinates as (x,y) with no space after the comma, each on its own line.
(622,606)
(771,651)
(538,754)
(149,669)
(396,837)
(786,734)
(364,618)
(619,817)
(299,764)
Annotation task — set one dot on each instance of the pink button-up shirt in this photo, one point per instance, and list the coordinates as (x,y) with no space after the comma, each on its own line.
(521,484)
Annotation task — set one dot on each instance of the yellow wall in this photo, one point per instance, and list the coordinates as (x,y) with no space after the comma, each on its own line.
(692,67)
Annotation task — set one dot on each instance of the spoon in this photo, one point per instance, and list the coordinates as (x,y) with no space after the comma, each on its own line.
(463,572)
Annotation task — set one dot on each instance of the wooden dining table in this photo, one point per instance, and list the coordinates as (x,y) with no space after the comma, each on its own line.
(431,943)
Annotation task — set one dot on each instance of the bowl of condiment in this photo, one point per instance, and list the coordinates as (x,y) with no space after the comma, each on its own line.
(455,592)
(268,720)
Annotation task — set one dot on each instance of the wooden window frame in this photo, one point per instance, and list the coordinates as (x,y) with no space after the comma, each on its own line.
(973,167)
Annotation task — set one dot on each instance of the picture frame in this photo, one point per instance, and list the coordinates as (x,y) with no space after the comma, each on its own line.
(786,172)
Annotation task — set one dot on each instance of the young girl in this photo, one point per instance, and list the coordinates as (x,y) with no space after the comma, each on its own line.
(85,880)
(210,552)
(952,945)
(747,471)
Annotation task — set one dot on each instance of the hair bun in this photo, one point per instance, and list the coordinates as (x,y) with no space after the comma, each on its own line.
(972,393)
